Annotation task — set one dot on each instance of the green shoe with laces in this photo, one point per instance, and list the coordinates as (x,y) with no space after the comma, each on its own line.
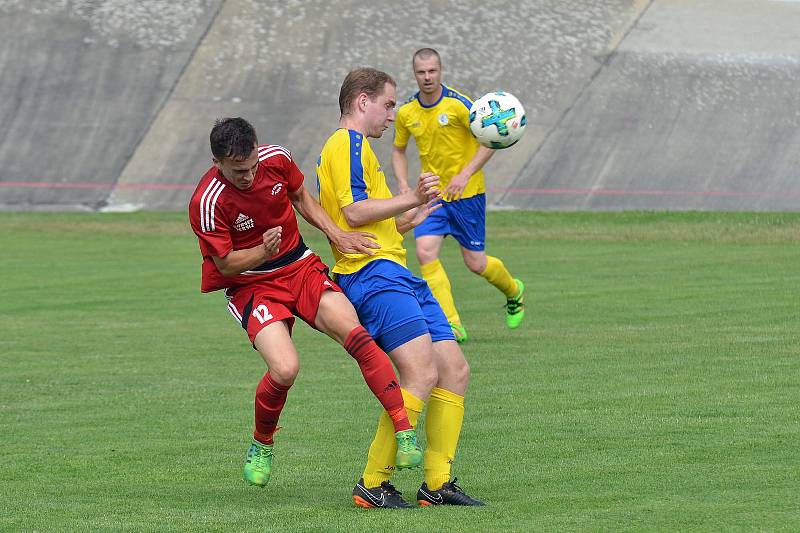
(515,307)
(258,464)
(409,454)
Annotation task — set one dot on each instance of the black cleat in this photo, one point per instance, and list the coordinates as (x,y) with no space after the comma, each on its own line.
(384,495)
(449,494)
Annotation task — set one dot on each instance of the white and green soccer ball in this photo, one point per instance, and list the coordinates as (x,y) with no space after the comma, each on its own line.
(497,120)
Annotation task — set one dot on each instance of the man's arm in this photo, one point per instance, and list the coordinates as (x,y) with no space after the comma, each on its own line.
(349,242)
(239,261)
(374,209)
(400,167)
(459,182)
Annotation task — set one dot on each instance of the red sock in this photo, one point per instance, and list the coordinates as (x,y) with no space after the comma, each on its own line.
(270,399)
(378,373)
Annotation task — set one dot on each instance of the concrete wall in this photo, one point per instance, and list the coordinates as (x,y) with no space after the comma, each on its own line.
(81,82)
(697,108)
(666,104)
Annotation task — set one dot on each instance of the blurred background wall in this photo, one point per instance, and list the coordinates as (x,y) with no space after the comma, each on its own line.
(632,104)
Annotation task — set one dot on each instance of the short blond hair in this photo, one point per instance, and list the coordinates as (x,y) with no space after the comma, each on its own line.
(426,53)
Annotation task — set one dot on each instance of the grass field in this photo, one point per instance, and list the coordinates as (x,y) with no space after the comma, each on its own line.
(654,386)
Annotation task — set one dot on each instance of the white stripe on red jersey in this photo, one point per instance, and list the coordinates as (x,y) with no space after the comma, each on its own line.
(207,203)
(271,150)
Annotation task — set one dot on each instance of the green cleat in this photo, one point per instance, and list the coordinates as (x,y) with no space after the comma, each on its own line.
(258,465)
(409,454)
(515,307)
(459,332)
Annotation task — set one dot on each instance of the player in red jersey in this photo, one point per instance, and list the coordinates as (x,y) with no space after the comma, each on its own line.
(242,213)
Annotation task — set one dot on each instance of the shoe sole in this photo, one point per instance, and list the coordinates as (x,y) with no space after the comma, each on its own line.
(254,484)
(408,466)
(364,504)
(361,502)
(515,326)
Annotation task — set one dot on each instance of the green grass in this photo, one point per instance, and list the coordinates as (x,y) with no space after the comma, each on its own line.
(655,384)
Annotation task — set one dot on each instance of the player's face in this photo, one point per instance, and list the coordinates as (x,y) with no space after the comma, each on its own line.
(380,112)
(240,172)
(429,74)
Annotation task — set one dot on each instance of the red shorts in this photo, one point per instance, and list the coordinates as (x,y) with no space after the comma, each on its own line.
(292,290)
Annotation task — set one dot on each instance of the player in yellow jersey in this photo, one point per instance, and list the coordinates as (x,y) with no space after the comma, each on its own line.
(395,307)
(438,119)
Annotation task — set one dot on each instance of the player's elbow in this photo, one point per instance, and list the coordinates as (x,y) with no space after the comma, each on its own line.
(228,272)
(354,217)
(225,268)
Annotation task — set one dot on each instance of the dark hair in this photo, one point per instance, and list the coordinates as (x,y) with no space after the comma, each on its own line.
(233,137)
(425,53)
(362,80)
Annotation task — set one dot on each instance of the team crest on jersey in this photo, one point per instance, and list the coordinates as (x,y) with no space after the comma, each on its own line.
(276,188)
(243,222)
(443,120)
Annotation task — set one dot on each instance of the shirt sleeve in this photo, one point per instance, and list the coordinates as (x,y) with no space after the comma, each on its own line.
(212,230)
(294,176)
(463,111)
(347,170)
(401,133)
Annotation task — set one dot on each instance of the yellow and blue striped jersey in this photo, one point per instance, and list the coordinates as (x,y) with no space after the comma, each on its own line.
(348,171)
(441,132)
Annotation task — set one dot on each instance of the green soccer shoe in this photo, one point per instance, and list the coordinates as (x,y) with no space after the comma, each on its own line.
(459,332)
(409,454)
(515,307)
(258,464)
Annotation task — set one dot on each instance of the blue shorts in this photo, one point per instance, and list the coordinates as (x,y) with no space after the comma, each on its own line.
(393,305)
(464,219)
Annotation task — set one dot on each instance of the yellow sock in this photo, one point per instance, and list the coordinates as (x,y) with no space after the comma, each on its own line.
(497,274)
(442,430)
(439,283)
(382,451)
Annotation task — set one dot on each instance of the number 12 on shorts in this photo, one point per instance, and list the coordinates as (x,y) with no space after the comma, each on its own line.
(261,313)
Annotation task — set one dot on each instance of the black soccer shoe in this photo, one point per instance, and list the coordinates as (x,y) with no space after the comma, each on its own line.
(449,494)
(384,495)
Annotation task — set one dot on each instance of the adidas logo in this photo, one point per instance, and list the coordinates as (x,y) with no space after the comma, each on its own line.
(243,222)
(391,386)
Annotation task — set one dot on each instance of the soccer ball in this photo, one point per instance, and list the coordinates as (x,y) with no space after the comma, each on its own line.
(497,120)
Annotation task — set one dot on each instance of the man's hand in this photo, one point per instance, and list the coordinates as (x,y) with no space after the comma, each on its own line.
(355,242)
(272,241)
(422,212)
(414,217)
(456,187)
(427,187)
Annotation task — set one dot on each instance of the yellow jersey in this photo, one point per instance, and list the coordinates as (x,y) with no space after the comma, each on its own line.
(348,171)
(441,132)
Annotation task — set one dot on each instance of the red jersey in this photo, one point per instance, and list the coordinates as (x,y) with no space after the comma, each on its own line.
(225,218)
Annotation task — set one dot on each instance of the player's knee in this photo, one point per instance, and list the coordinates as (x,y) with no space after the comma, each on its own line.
(431,377)
(425,256)
(423,378)
(285,372)
(462,372)
(475,265)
